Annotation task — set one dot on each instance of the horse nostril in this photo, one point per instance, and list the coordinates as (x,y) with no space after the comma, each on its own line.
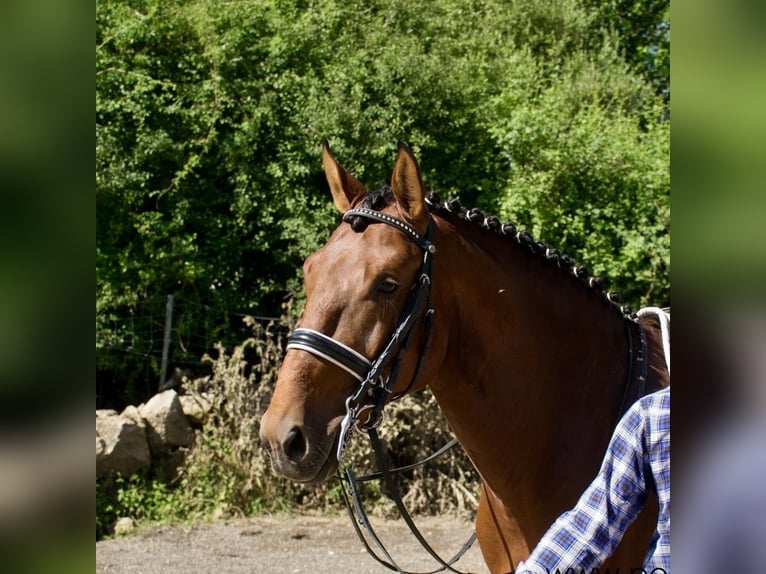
(295,445)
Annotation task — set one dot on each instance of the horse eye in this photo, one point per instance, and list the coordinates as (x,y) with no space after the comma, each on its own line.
(388,286)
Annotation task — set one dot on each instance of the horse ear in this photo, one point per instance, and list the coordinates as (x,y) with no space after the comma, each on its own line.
(407,185)
(345,188)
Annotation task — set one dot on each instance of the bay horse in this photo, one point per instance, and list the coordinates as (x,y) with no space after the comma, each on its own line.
(530,361)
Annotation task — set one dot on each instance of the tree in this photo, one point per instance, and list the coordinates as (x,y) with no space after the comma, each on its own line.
(643,30)
(210,117)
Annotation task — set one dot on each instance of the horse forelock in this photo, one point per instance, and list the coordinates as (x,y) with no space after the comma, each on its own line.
(376,200)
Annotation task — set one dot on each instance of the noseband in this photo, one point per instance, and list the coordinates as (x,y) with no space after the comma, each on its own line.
(374,391)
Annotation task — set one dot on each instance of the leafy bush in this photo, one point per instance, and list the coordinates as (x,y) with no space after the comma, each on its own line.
(140,497)
(210,116)
(588,173)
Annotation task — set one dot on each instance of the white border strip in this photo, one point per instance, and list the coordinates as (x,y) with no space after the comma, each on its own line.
(314,351)
(664,318)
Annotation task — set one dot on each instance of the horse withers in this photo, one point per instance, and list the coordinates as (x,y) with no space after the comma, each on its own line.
(529,360)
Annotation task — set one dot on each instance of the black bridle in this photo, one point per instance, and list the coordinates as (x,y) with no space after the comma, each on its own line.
(374,391)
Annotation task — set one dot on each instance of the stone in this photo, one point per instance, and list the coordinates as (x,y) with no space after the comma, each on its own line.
(196,407)
(124,526)
(166,425)
(132,413)
(121,445)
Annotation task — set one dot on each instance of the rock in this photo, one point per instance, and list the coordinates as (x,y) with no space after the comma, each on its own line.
(124,525)
(166,424)
(132,413)
(121,445)
(196,407)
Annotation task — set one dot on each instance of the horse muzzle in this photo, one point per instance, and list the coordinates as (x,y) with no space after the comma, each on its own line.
(297,453)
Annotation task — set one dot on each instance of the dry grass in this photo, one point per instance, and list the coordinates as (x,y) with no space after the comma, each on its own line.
(227,467)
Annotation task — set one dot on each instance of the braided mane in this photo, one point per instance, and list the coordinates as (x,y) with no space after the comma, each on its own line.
(378,199)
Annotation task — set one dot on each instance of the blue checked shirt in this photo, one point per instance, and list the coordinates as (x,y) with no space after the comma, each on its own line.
(638,458)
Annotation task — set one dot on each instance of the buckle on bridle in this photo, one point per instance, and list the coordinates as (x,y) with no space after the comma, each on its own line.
(354,410)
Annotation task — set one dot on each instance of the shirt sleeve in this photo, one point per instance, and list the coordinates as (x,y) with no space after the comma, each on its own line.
(586,535)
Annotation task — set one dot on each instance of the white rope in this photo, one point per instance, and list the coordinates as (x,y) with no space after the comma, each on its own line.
(664,318)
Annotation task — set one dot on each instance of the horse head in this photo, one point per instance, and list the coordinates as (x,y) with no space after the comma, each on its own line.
(357,286)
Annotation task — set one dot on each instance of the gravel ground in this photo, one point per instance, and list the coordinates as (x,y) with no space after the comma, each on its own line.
(281,545)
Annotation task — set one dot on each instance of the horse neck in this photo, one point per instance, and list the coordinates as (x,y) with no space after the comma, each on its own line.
(534,366)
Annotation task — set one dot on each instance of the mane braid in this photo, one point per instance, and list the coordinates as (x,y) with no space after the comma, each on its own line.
(383,196)
(508,230)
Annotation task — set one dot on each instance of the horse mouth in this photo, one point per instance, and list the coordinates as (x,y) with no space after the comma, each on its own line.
(328,465)
(314,469)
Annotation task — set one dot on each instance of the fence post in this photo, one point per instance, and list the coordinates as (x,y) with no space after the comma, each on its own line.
(166,340)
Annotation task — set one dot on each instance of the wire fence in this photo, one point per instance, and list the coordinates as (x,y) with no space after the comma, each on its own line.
(147,349)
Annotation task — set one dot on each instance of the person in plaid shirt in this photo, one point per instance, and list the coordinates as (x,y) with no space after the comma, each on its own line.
(637,459)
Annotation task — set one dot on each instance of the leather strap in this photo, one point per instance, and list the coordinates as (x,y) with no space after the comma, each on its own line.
(354,363)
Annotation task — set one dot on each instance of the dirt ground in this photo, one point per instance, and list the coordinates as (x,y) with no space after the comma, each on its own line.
(282,545)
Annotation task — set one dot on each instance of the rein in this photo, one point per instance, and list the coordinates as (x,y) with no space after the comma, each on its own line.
(636,358)
(374,391)
(359,517)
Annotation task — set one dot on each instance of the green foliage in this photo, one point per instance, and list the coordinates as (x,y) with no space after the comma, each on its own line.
(643,29)
(140,497)
(210,117)
(226,471)
(588,173)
